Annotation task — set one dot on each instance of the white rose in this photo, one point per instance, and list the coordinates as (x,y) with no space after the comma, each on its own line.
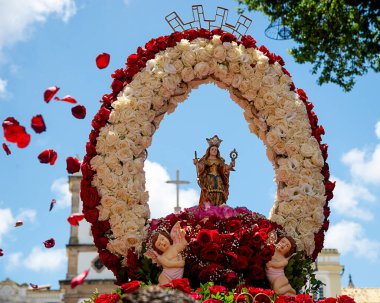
(307,150)
(268,81)
(201,70)
(317,159)
(170,68)
(234,67)
(203,55)
(187,74)
(244,85)
(272,138)
(110,180)
(178,65)
(188,58)
(171,82)
(97,162)
(270,98)
(183,45)
(119,207)
(259,103)
(250,94)
(219,53)
(216,40)
(233,55)
(237,80)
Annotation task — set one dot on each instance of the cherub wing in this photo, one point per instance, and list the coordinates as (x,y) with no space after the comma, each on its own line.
(176,233)
(151,254)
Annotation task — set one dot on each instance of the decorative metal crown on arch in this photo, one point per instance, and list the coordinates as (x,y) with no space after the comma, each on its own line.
(219,22)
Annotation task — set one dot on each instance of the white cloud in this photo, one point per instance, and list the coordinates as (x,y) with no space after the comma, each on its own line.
(377,129)
(60,189)
(18,17)
(162,196)
(349,237)
(8,220)
(348,199)
(127,2)
(3,88)
(38,259)
(363,165)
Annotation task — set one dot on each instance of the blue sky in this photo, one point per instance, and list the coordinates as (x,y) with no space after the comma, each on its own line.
(55,42)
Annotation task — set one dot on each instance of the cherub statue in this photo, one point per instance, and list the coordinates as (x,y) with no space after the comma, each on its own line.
(166,251)
(285,249)
(213,174)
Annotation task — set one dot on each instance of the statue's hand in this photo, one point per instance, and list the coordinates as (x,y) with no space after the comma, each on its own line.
(195,161)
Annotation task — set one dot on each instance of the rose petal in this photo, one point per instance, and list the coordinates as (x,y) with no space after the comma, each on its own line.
(79,111)
(74,219)
(48,156)
(68,99)
(1,252)
(38,124)
(72,165)
(6,149)
(34,286)
(19,223)
(49,243)
(79,279)
(50,92)
(102,60)
(52,204)
(15,133)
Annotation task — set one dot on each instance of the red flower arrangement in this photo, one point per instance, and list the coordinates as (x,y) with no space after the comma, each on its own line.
(226,245)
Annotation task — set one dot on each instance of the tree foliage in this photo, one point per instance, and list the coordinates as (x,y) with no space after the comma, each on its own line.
(341,38)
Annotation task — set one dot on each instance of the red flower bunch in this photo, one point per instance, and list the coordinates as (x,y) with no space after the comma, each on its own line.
(225,244)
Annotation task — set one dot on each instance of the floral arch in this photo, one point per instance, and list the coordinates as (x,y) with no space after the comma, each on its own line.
(154,81)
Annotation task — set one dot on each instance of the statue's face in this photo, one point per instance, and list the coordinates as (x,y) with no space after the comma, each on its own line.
(162,243)
(213,151)
(284,246)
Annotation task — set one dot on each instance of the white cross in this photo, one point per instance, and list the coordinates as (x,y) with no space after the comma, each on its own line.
(177,182)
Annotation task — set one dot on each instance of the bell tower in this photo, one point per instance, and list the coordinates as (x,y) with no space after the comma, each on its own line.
(82,255)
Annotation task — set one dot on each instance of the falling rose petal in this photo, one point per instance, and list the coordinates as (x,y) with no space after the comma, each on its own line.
(68,99)
(6,149)
(56,98)
(34,286)
(74,219)
(49,243)
(52,204)
(79,279)
(72,165)
(102,60)
(50,92)
(48,156)
(38,124)
(1,252)
(15,133)
(79,111)
(19,223)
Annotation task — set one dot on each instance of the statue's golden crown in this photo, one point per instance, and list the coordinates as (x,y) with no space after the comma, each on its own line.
(214,141)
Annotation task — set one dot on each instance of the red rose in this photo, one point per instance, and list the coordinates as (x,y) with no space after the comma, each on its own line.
(210,252)
(196,296)
(108,258)
(266,253)
(233,225)
(230,279)
(217,289)
(227,37)
(242,262)
(256,240)
(208,271)
(345,299)
(304,298)
(101,118)
(327,300)
(72,165)
(301,93)
(212,300)
(15,133)
(89,196)
(130,286)
(182,285)
(91,215)
(248,41)
(232,259)
(206,236)
(329,185)
(108,298)
(245,251)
